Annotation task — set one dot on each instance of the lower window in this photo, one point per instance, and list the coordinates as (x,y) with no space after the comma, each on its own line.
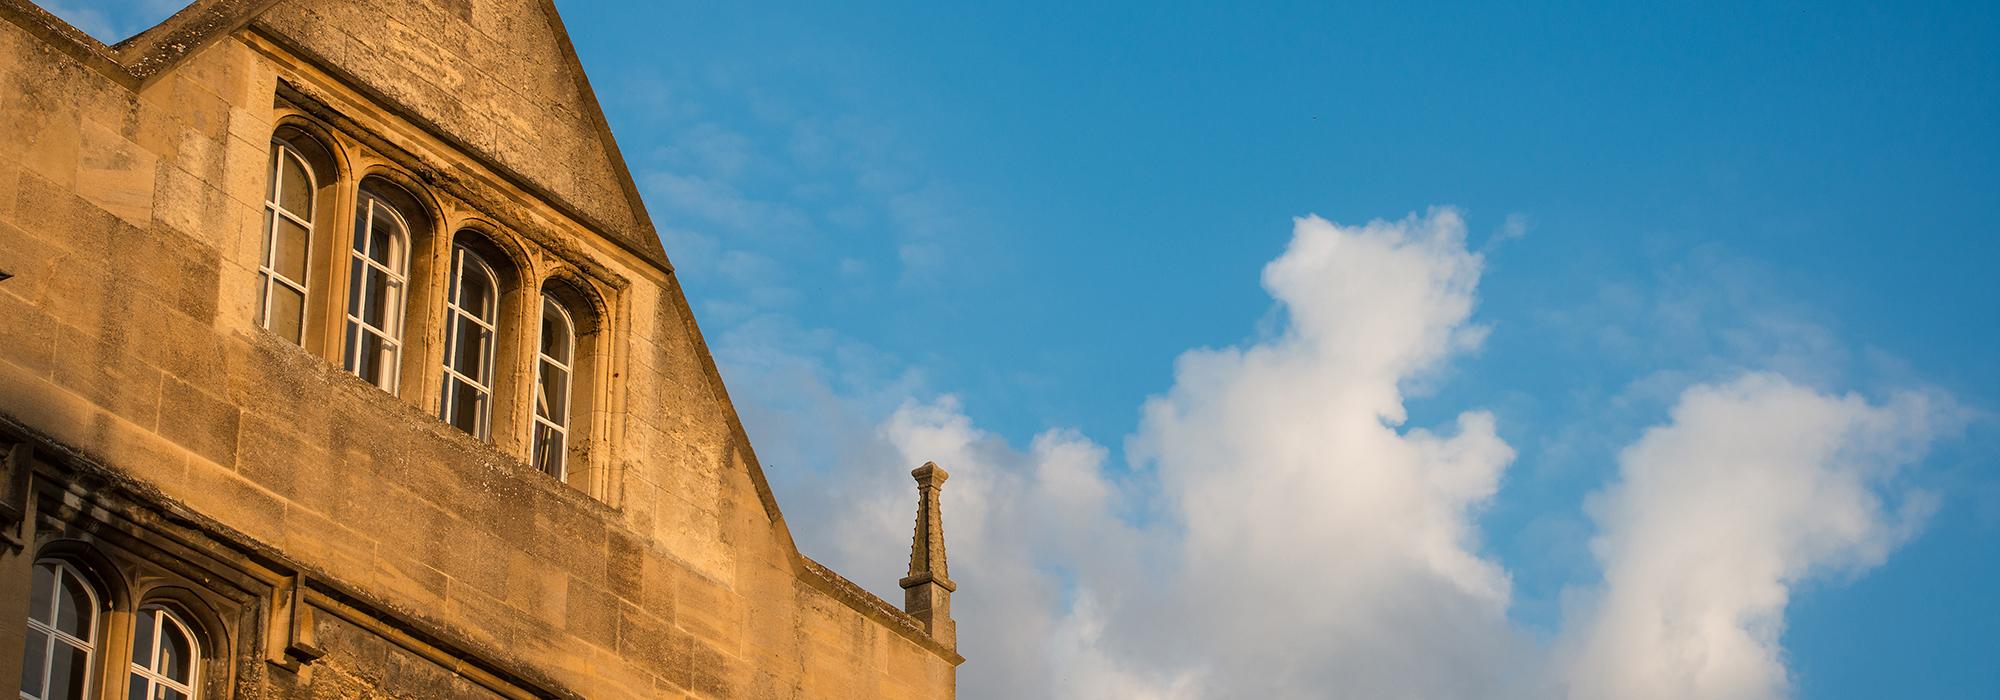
(62,633)
(164,657)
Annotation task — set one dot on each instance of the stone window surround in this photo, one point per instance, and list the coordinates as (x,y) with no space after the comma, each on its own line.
(552,413)
(525,269)
(244,601)
(276,212)
(54,637)
(474,370)
(165,621)
(393,267)
(121,585)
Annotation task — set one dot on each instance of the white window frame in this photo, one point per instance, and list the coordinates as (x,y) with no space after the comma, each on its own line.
(162,617)
(273,209)
(87,646)
(543,360)
(392,338)
(455,314)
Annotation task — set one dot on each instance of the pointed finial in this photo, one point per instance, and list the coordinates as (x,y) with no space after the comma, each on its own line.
(928,587)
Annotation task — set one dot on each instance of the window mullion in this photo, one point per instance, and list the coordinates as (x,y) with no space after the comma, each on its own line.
(553,361)
(450,350)
(468,381)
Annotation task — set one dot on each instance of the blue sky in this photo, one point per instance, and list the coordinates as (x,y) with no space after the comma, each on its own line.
(1806,187)
(1010,221)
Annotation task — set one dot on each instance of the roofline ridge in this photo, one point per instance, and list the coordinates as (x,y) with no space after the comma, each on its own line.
(136,59)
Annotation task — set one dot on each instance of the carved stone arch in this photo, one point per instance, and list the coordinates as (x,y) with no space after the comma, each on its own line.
(586,464)
(196,610)
(213,635)
(419,207)
(340,155)
(114,590)
(412,187)
(326,164)
(500,248)
(513,269)
(419,211)
(586,298)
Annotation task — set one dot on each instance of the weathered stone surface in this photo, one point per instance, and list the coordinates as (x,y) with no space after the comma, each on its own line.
(132,191)
(468,73)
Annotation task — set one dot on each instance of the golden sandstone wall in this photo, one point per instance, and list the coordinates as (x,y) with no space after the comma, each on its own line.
(407,558)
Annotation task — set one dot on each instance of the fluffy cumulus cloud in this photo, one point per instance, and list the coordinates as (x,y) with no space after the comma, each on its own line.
(1751,487)
(1280,530)
(1373,574)
(1014,520)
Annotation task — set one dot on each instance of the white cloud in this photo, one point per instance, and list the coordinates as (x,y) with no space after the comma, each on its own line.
(1752,487)
(1282,533)
(1369,577)
(1514,227)
(1287,468)
(1013,523)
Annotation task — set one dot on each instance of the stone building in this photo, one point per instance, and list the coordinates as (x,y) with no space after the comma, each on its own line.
(339,359)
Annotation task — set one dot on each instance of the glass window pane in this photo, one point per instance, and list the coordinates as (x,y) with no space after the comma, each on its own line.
(541,390)
(375,303)
(357,285)
(142,637)
(270,241)
(372,361)
(553,395)
(171,694)
(556,335)
(73,613)
(391,302)
(34,660)
(475,289)
(40,600)
(290,259)
(361,227)
(138,687)
(297,195)
(548,327)
(350,357)
(466,409)
(288,309)
(68,673)
(176,652)
(548,451)
(469,352)
(382,236)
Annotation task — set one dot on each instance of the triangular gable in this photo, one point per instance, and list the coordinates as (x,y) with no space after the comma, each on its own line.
(498,77)
(501,78)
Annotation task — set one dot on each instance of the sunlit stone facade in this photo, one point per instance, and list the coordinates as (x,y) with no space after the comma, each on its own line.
(339,358)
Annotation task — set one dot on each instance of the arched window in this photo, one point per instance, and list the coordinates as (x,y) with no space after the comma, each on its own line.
(554,367)
(288,228)
(165,657)
(62,634)
(472,314)
(377,278)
